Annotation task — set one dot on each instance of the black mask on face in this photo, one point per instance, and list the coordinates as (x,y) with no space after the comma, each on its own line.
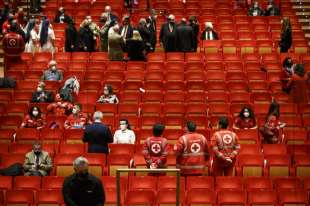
(37,152)
(289,64)
(82,176)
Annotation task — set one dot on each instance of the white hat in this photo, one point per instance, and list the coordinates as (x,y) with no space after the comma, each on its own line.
(209,25)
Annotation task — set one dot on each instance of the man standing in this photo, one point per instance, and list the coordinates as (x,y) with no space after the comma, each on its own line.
(155,148)
(226,148)
(168,35)
(185,37)
(97,135)
(37,162)
(191,151)
(82,188)
(126,30)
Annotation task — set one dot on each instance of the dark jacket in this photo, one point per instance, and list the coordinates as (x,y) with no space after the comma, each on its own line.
(195,28)
(86,38)
(66,18)
(272,11)
(88,192)
(129,33)
(136,50)
(98,136)
(285,41)
(146,35)
(185,38)
(168,38)
(203,35)
(38,97)
(72,39)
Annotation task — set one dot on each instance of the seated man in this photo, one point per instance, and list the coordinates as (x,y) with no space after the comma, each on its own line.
(76,120)
(41,95)
(255,10)
(209,33)
(52,74)
(37,162)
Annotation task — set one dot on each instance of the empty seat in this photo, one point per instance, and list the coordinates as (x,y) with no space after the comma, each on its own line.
(251,165)
(200,197)
(287,183)
(278,165)
(6,182)
(202,182)
(52,182)
(49,197)
(19,197)
(292,198)
(259,183)
(262,198)
(234,197)
(140,197)
(143,182)
(27,182)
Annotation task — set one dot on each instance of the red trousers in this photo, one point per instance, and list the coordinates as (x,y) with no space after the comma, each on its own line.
(220,168)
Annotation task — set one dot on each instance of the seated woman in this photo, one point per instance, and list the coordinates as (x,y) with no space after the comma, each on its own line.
(245,119)
(76,120)
(60,106)
(108,96)
(41,95)
(270,131)
(124,135)
(135,47)
(34,119)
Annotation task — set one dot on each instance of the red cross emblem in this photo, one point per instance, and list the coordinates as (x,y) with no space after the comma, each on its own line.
(227,139)
(195,148)
(12,42)
(156,148)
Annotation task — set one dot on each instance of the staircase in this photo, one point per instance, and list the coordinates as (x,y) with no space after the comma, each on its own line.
(302,8)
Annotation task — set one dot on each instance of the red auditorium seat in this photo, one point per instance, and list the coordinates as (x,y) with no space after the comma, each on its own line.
(140,197)
(4,148)
(249,136)
(49,197)
(10,122)
(200,197)
(169,182)
(156,57)
(6,135)
(118,161)
(293,198)
(233,197)
(143,183)
(17,148)
(239,97)
(127,109)
(249,149)
(6,182)
(151,110)
(22,97)
(302,165)
(201,182)
(250,165)
(27,135)
(80,56)
(228,183)
(99,57)
(16,197)
(168,197)
(152,97)
(287,183)
(27,182)
(17,109)
(278,165)
(194,57)
(73,136)
(51,135)
(119,149)
(72,149)
(262,198)
(274,149)
(42,57)
(259,183)
(107,109)
(52,183)
(194,97)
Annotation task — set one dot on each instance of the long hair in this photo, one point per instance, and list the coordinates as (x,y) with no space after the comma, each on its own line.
(73,84)
(286,25)
(274,109)
(30,26)
(44,32)
(252,115)
(31,110)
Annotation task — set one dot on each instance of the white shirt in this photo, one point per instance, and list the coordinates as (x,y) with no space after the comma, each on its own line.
(124,137)
(210,35)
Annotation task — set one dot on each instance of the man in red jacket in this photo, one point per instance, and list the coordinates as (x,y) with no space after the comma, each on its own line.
(155,148)
(226,147)
(192,152)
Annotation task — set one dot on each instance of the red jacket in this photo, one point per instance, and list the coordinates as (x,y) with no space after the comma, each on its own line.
(225,144)
(155,151)
(192,153)
(76,122)
(59,108)
(30,122)
(13,44)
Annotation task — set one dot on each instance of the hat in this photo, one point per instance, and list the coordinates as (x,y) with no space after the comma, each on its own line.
(209,25)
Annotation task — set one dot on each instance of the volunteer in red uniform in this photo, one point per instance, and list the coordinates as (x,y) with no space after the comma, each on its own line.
(76,120)
(34,119)
(60,107)
(191,151)
(155,148)
(226,148)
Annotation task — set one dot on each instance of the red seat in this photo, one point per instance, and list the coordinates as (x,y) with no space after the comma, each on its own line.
(51,135)
(99,56)
(194,57)
(49,197)
(116,66)
(22,96)
(87,97)
(295,197)
(52,182)
(156,57)
(20,197)
(168,197)
(239,97)
(234,197)
(17,108)
(6,135)
(262,198)
(228,183)
(249,149)
(174,97)
(169,182)
(42,57)
(202,182)
(20,148)
(156,76)
(152,97)
(6,182)
(200,196)
(80,56)
(249,136)
(250,165)
(172,57)
(140,197)
(143,182)
(127,109)
(287,183)
(27,135)
(27,182)
(10,122)
(259,183)
(72,149)
(119,149)
(73,135)
(302,165)
(173,109)
(274,149)
(118,161)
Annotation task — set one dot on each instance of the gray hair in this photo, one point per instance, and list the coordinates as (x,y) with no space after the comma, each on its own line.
(97,115)
(79,161)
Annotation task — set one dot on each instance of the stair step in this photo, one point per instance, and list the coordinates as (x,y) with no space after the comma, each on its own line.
(301,7)
(303,1)
(303,13)
(307,35)
(303,20)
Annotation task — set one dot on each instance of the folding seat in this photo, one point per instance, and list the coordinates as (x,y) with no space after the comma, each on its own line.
(300,47)
(175,77)
(235,66)
(107,109)
(22,97)
(262,197)
(142,182)
(174,97)
(52,182)
(4,148)
(194,57)
(116,66)
(73,136)
(152,97)
(246,43)
(27,57)
(270,58)
(140,197)
(130,97)
(235,76)
(72,149)
(200,197)
(201,182)
(254,184)
(9,159)
(274,149)
(302,165)
(173,120)
(229,45)
(282,184)
(256,76)
(168,197)
(293,135)
(155,66)
(239,97)
(117,162)
(173,134)
(50,197)
(196,97)
(264,44)
(261,97)
(233,197)
(80,57)
(293,122)
(169,182)
(228,183)
(258,86)
(87,97)
(27,135)
(175,57)
(293,198)
(154,85)
(6,135)
(17,148)
(128,109)
(278,165)
(5,96)
(250,165)
(19,197)
(10,122)
(121,149)
(144,134)
(216,76)
(218,109)
(95,67)
(3,109)
(90,86)
(214,57)
(39,66)
(42,57)
(251,58)
(6,182)
(17,75)
(212,47)
(194,67)
(174,110)
(196,109)
(51,135)
(213,86)
(134,75)
(156,57)
(17,109)
(27,182)
(250,149)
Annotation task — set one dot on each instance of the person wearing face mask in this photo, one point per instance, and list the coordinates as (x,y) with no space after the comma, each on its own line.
(34,119)
(86,36)
(61,16)
(124,135)
(104,29)
(168,35)
(97,135)
(108,96)
(111,18)
(82,188)
(272,9)
(37,162)
(209,33)
(52,74)
(246,119)
(41,95)
(76,120)
(287,72)
(255,10)
(60,107)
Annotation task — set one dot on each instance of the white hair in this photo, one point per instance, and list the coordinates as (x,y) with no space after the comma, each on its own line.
(209,25)
(80,161)
(107,8)
(171,16)
(97,115)
(52,62)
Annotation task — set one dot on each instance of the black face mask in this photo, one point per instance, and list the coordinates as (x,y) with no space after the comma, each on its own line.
(82,176)
(37,153)
(289,64)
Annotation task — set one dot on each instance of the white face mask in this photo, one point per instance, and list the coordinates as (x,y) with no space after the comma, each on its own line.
(123,127)
(39,89)
(53,68)
(74,111)
(106,92)
(35,113)
(246,114)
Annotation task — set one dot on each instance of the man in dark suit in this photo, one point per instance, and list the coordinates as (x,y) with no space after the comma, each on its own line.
(61,16)
(185,37)
(195,26)
(126,29)
(209,33)
(111,18)
(151,25)
(168,35)
(97,135)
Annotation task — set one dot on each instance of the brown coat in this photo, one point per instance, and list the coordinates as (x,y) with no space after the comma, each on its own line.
(45,163)
(116,47)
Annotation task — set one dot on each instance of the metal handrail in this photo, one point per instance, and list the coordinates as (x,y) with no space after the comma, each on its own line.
(118,182)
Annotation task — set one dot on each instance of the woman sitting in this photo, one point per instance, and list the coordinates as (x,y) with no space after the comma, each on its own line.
(245,120)
(108,96)
(76,120)
(34,119)
(124,135)
(60,106)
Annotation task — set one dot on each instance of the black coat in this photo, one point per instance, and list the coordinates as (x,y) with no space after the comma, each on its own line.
(146,36)
(65,20)
(36,97)
(203,35)
(153,32)
(195,28)
(286,41)
(136,50)
(72,39)
(86,38)
(272,11)
(129,33)
(185,38)
(168,39)
(98,136)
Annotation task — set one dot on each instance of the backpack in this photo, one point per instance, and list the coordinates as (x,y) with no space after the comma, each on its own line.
(7,82)
(13,170)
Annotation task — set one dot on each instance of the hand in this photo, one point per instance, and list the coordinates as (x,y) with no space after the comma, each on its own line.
(72,46)
(85,48)
(282,125)
(229,160)
(153,166)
